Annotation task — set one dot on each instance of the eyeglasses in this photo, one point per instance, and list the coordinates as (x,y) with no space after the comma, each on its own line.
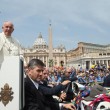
(68,72)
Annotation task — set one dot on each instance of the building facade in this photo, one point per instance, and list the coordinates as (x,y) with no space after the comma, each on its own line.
(40,50)
(88,54)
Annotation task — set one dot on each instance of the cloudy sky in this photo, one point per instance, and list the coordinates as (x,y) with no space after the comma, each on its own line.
(72,21)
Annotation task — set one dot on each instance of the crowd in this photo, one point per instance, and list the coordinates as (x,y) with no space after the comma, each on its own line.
(56,84)
(91,76)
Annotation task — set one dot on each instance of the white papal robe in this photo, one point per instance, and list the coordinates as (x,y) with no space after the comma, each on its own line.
(9,46)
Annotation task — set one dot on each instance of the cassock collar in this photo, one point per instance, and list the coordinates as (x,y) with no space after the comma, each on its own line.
(6,36)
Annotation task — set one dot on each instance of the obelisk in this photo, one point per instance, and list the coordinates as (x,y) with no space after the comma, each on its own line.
(50,46)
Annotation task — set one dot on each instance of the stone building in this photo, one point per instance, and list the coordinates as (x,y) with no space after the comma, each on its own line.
(88,54)
(41,50)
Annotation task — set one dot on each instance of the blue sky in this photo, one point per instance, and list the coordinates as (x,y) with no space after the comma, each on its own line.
(72,21)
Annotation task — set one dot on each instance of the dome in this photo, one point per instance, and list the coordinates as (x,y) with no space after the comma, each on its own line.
(40,41)
(61,46)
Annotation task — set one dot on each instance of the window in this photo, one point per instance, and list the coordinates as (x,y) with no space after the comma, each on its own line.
(104,53)
(100,54)
(108,53)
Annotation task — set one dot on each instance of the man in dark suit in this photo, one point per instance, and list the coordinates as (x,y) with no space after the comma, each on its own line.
(68,89)
(107,81)
(34,98)
(49,91)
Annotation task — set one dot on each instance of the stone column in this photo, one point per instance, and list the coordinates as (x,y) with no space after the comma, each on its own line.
(50,45)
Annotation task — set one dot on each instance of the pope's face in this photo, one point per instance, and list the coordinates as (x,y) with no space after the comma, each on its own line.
(36,73)
(8,28)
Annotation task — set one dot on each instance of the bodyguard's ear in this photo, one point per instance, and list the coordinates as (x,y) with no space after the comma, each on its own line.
(29,68)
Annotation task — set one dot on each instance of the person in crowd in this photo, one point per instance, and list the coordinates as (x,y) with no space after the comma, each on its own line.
(73,72)
(82,78)
(109,67)
(106,82)
(45,77)
(67,75)
(102,75)
(9,46)
(49,91)
(97,77)
(34,98)
(68,89)
(57,80)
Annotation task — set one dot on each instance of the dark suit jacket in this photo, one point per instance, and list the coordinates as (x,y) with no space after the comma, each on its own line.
(35,100)
(107,81)
(47,90)
(68,88)
(50,91)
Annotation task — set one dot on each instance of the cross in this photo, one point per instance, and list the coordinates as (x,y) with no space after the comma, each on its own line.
(9,50)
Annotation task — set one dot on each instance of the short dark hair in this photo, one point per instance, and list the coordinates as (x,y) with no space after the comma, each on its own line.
(35,62)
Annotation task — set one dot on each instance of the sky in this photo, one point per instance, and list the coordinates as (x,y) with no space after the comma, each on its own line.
(72,21)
